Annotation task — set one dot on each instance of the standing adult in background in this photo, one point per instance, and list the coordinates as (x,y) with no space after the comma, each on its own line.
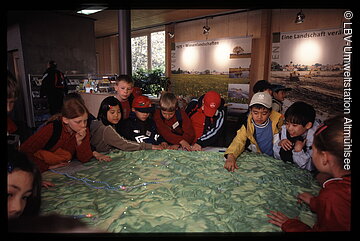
(53,87)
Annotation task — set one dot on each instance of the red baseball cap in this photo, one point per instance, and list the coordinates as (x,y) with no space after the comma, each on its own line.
(143,104)
(212,101)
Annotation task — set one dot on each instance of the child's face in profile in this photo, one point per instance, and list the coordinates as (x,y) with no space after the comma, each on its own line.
(113,115)
(280,95)
(124,89)
(141,115)
(260,115)
(19,190)
(297,129)
(167,114)
(317,156)
(10,104)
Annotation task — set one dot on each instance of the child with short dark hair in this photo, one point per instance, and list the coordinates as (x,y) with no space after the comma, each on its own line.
(294,141)
(333,204)
(23,185)
(257,133)
(173,124)
(124,88)
(140,127)
(279,94)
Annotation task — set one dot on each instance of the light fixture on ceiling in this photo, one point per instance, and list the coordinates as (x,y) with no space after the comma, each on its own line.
(171,34)
(91,10)
(300,16)
(206,28)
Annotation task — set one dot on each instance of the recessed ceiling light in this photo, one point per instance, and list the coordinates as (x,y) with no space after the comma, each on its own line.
(91,10)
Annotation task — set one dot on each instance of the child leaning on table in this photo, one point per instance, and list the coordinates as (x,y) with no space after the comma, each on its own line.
(104,136)
(140,126)
(294,141)
(62,139)
(333,204)
(173,124)
(262,124)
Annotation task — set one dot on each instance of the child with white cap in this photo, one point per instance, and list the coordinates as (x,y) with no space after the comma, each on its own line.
(257,133)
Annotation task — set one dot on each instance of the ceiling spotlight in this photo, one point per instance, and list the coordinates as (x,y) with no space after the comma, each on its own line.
(300,16)
(206,29)
(171,34)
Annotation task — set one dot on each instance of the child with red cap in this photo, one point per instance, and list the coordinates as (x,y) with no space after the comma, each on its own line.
(207,117)
(140,127)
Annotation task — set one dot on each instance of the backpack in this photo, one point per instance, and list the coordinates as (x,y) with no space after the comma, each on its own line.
(57,128)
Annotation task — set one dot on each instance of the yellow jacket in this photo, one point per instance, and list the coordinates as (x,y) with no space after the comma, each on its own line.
(237,146)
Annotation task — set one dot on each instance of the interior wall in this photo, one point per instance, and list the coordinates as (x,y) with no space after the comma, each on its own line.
(69,40)
(260,24)
(107,49)
(40,36)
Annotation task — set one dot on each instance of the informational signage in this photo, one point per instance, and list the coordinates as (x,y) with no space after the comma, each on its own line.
(311,63)
(200,66)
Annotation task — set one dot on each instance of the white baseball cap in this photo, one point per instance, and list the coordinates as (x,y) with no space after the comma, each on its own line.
(262,98)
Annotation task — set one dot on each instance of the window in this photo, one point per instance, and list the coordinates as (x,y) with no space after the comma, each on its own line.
(158,50)
(148,51)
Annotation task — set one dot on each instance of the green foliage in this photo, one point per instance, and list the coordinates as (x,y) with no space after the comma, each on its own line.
(151,81)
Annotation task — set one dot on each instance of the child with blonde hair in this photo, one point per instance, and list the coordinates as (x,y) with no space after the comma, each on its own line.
(173,124)
(124,88)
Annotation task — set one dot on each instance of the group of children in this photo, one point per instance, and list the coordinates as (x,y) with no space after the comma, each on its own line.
(131,122)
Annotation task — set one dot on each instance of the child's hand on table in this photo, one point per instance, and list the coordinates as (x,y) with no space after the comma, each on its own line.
(101,157)
(185,145)
(277,218)
(305,197)
(230,163)
(196,147)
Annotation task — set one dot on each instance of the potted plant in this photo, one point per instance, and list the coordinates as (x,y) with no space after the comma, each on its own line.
(151,81)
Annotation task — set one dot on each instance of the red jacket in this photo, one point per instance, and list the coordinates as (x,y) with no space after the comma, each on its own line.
(172,132)
(332,206)
(67,141)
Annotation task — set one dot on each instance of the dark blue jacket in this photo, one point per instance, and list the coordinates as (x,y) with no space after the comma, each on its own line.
(140,131)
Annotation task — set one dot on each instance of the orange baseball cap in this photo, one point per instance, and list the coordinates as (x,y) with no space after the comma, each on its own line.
(212,101)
